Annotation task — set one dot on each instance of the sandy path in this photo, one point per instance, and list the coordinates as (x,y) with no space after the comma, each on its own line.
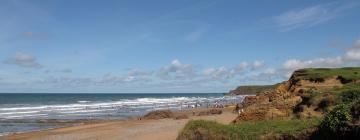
(165,129)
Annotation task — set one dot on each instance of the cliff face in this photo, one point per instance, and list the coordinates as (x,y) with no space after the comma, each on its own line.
(268,105)
(281,102)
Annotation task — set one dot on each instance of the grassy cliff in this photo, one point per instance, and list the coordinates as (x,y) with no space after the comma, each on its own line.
(348,74)
(328,108)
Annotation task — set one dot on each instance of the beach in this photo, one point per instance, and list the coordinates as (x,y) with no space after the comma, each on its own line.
(133,129)
(33,112)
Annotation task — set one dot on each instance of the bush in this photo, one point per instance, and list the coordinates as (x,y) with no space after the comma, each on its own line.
(350,95)
(355,110)
(337,118)
(299,108)
(327,102)
(245,130)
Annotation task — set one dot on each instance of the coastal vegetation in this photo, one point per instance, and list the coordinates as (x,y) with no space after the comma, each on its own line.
(324,103)
(347,74)
(201,129)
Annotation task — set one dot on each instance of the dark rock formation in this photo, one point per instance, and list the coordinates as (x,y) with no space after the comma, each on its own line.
(159,114)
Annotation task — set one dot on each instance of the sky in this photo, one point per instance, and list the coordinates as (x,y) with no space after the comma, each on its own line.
(170,46)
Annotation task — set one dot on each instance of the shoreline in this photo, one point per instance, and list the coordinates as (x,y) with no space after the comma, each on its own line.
(124,109)
(145,127)
(52,123)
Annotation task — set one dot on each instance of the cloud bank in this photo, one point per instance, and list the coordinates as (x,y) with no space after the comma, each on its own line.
(178,75)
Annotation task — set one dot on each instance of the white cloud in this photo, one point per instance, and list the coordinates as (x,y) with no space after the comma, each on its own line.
(293,64)
(351,57)
(109,78)
(132,76)
(270,71)
(223,73)
(242,66)
(354,52)
(176,70)
(66,81)
(257,64)
(23,60)
(311,16)
(136,75)
(348,59)
(219,73)
(179,76)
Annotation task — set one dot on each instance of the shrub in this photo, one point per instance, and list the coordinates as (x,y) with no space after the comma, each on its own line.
(327,102)
(299,108)
(350,95)
(324,103)
(355,110)
(245,130)
(337,118)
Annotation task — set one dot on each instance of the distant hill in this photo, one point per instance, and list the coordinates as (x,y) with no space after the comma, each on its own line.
(251,90)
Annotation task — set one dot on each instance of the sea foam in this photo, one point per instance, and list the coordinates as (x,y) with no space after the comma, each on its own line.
(84,109)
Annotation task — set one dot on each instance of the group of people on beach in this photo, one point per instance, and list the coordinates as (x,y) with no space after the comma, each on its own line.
(194,105)
(218,105)
(199,105)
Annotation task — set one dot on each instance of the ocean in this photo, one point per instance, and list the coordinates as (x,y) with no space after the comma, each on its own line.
(23,112)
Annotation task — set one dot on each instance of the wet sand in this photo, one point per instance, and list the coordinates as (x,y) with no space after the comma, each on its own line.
(163,129)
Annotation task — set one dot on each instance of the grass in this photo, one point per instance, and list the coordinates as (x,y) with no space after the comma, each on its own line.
(249,130)
(348,73)
(335,95)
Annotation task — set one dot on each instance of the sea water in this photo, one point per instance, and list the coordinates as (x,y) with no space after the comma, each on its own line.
(22,112)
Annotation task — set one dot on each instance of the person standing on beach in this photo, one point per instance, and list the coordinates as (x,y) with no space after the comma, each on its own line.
(239,109)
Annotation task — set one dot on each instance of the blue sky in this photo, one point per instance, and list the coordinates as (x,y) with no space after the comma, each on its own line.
(166,46)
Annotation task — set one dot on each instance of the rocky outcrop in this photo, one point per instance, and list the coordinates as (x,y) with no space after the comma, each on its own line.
(282,101)
(269,106)
(297,86)
(159,114)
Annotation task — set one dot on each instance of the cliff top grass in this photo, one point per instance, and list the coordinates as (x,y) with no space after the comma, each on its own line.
(316,74)
(249,130)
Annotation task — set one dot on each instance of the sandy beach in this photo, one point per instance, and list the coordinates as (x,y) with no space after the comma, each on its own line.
(123,129)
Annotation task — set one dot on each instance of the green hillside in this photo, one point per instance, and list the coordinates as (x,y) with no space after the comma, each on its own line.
(347,74)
